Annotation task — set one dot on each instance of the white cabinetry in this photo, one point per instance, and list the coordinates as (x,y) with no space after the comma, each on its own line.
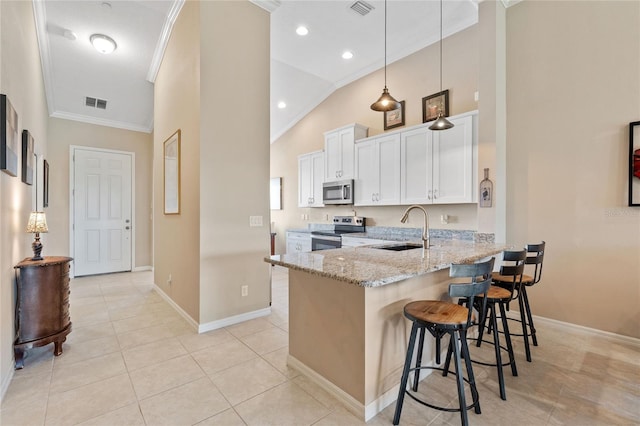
(298,242)
(377,179)
(338,148)
(437,166)
(310,178)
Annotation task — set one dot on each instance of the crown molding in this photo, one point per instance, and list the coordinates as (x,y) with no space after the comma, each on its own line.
(40,18)
(101,122)
(161,46)
(268,5)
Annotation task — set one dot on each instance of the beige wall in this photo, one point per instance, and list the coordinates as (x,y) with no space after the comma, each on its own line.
(176,106)
(21,80)
(65,133)
(218,50)
(573,80)
(234,158)
(408,79)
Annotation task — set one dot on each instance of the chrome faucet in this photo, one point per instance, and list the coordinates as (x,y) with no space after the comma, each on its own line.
(425,229)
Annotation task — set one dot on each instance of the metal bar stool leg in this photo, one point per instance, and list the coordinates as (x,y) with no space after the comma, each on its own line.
(532,329)
(496,345)
(525,336)
(472,379)
(507,336)
(405,374)
(460,379)
(416,374)
(482,327)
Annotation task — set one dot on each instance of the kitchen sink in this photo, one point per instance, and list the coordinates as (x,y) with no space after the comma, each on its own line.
(401,247)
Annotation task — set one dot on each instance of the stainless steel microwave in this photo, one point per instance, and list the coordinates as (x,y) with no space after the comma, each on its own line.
(340,192)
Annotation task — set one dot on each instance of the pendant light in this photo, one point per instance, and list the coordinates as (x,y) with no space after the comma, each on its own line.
(385,102)
(441,123)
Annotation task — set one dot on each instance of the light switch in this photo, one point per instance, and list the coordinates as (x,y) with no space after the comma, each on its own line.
(255,221)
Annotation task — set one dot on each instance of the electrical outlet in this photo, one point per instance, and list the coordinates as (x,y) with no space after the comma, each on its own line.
(245,290)
(255,221)
(476,96)
(169,280)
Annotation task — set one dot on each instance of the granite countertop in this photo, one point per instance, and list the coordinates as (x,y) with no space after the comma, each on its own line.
(372,267)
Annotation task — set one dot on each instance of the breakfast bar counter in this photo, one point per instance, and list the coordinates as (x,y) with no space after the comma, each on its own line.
(346,328)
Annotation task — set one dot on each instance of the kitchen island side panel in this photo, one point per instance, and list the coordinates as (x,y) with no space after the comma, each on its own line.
(327,329)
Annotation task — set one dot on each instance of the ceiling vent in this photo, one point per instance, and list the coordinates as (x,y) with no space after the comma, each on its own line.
(95,103)
(361,7)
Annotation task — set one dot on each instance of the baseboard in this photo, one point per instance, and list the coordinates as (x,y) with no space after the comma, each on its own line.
(7,381)
(193,323)
(225,322)
(594,331)
(142,268)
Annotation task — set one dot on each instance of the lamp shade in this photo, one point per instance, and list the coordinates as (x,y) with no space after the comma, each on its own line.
(37,223)
(441,123)
(385,102)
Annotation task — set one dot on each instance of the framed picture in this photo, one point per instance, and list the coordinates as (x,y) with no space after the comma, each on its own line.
(28,162)
(394,118)
(171,154)
(432,104)
(45,184)
(634,164)
(9,137)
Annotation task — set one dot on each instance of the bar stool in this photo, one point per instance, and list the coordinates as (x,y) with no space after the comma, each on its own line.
(511,270)
(441,318)
(535,257)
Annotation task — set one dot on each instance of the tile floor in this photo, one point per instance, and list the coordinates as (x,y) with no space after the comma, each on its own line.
(132,360)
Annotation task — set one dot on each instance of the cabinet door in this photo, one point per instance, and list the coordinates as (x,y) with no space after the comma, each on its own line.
(388,152)
(346,153)
(415,166)
(317,164)
(452,163)
(332,155)
(305,180)
(367,174)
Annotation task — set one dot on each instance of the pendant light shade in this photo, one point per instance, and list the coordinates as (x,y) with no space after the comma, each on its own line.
(385,102)
(441,122)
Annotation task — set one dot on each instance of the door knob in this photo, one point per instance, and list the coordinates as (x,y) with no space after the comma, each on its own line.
(127,228)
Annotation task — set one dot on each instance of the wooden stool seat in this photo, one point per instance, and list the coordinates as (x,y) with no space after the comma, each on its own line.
(436,312)
(496,292)
(497,278)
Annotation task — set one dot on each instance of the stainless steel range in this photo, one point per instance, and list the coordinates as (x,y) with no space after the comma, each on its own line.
(324,240)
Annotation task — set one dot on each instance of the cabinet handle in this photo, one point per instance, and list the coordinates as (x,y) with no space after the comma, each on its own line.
(429,195)
(435,194)
(373,197)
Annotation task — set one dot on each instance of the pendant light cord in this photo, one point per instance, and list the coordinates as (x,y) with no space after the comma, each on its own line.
(440,55)
(385,45)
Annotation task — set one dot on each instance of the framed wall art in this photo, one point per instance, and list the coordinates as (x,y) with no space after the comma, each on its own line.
(28,159)
(9,137)
(171,155)
(45,184)
(634,164)
(432,104)
(394,118)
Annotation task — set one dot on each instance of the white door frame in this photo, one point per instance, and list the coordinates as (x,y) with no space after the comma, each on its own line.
(72,176)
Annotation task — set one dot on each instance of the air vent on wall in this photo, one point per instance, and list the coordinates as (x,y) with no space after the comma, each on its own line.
(361,7)
(95,103)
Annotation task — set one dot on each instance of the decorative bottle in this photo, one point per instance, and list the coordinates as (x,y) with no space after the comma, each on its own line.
(486,190)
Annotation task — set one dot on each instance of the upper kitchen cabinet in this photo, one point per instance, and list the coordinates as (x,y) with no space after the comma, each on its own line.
(377,178)
(437,167)
(339,148)
(310,178)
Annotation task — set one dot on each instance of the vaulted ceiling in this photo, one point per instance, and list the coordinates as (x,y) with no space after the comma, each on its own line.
(304,69)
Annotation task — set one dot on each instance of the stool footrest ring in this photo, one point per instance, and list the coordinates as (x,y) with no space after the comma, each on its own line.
(436,407)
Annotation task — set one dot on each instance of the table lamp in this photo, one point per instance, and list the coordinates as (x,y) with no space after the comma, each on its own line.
(37,224)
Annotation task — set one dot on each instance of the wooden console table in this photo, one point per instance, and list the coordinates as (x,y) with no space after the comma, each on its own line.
(42,305)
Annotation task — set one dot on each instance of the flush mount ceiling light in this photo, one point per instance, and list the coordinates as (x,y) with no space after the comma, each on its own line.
(441,123)
(302,30)
(385,102)
(282,105)
(103,44)
(347,54)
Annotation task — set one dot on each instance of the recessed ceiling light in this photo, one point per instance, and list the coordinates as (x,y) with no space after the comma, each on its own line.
(302,30)
(103,44)
(282,105)
(347,54)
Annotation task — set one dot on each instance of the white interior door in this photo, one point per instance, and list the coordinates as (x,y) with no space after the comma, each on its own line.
(102,224)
